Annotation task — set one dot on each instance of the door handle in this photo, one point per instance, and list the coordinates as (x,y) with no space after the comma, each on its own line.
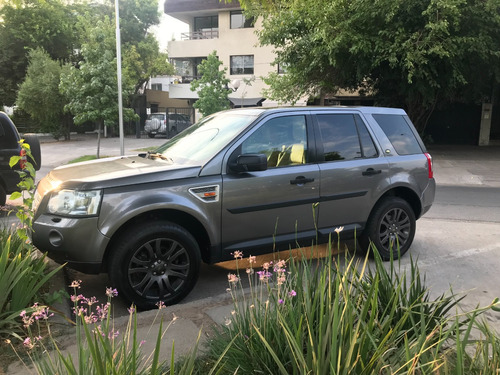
(371,172)
(301,180)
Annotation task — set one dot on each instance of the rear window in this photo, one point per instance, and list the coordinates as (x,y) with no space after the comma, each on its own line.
(398,130)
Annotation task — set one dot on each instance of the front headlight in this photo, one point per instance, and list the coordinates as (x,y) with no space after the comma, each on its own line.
(75,202)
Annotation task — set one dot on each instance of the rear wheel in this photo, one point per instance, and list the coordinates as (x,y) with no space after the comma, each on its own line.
(155,262)
(391,227)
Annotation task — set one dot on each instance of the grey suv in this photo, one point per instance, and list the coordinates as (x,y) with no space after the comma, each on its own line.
(237,180)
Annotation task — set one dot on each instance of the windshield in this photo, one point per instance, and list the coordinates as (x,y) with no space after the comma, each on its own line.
(200,142)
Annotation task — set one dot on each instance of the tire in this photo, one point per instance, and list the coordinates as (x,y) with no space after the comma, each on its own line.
(151,135)
(391,224)
(34,143)
(155,262)
(3,196)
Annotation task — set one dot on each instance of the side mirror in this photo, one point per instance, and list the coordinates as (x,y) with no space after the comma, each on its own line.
(249,163)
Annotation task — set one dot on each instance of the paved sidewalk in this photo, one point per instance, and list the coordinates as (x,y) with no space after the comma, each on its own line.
(466,165)
(453,165)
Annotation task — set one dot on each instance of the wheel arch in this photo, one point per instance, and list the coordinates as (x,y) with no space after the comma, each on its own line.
(405,193)
(188,222)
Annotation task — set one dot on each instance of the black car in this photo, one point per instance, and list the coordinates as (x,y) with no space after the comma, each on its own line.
(10,146)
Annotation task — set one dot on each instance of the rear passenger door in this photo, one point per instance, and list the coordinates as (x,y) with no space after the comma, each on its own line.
(353,171)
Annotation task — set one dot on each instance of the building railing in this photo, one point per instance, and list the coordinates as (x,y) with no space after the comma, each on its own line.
(210,34)
(186,79)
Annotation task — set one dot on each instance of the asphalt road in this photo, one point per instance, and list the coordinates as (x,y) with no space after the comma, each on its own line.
(457,242)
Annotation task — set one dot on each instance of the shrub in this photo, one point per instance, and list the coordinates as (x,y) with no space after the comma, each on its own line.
(23,273)
(347,317)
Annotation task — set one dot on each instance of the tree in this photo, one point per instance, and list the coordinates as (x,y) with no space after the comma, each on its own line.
(406,53)
(91,89)
(39,94)
(27,25)
(212,86)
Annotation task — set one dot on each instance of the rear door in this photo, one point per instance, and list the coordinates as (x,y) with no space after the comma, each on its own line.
(353,172)
(272,208)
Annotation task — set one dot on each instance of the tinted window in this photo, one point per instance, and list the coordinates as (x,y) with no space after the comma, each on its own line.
(399,133)
(367,145)
(7,137)
(345,137)
(283,140)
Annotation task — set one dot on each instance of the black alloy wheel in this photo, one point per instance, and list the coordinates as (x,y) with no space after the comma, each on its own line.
(391,227)
(155,263)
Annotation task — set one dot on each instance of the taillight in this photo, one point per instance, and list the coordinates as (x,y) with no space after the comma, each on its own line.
(429,164)
(22,161)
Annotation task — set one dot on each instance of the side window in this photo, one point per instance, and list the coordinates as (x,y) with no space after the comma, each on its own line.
(345,137)
(399,133)
(7,139)
(367,145)
(283,140)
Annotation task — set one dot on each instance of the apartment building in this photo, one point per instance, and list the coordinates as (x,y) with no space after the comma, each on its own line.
(220,26)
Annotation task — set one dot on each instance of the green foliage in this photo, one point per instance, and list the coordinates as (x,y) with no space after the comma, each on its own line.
(39,94)
(23,274)
(143,61)
(211,87)
(27,25)
(91,90)
(54,26)
(26,191)
(411,54)
(350,317)
(102,348)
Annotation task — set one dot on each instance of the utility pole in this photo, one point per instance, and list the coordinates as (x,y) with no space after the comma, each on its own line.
(119,77)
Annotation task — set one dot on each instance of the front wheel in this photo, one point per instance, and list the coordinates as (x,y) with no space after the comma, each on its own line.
(391,227)
(155,262)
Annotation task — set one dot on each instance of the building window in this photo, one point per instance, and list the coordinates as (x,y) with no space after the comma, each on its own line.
(156,86)
(206,27)
(242,64)
(239,21)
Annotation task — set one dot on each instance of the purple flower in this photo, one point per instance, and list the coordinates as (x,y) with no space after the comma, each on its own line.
(292,293)
(111,292)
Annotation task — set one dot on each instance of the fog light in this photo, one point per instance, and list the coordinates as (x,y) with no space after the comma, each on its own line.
(55,238)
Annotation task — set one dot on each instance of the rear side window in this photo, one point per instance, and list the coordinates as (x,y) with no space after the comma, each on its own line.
(345,137)
(8,139)
(399,132)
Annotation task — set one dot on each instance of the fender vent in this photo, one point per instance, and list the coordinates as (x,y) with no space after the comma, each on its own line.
(206,193)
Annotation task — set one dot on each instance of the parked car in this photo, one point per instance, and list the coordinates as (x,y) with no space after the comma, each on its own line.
(245,180)
(159,123)
(10,146)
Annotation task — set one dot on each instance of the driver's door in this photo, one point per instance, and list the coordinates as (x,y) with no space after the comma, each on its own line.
(264,209)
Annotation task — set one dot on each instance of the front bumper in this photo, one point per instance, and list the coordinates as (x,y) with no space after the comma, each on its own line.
(75,241)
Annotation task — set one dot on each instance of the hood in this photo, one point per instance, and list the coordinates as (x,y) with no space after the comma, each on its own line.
(116,171)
